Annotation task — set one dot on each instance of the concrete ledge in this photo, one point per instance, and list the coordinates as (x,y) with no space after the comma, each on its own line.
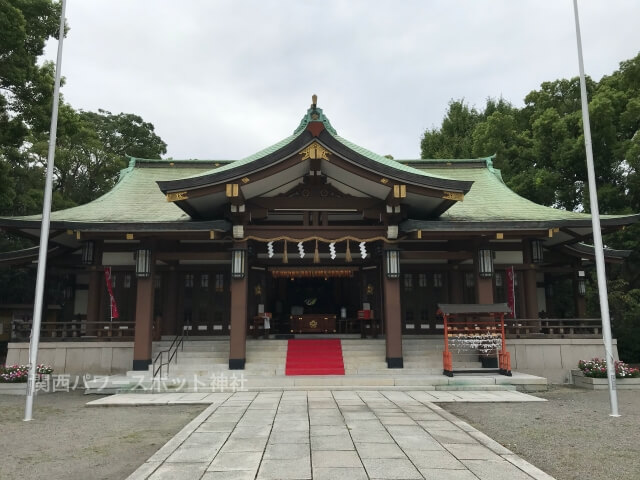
(13,388)
(77,358)
(554,358)
(590,383)
(142,382)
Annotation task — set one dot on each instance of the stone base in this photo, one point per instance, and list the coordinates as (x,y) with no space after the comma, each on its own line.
(579,380)
(13,388)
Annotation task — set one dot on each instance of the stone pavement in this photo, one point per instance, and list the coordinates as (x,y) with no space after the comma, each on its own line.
(205,398)
(332,435)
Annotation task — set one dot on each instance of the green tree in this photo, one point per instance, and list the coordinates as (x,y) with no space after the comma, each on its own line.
(540,151)
(454,138)
(91,150)
(25,88)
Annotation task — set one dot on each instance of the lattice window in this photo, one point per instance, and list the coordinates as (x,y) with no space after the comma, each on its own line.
(469,280)
(408,281)
(219,282)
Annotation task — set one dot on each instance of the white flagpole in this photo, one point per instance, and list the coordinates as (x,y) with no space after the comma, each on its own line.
(44,232)
(597,234)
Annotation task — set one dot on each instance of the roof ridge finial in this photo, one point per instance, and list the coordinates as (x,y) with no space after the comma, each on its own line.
(314,100)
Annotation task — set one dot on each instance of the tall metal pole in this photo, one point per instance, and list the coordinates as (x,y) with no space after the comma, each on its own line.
(44,231)
(597,234)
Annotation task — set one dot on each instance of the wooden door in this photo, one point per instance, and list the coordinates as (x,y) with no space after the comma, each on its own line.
(420,294)
(206,302)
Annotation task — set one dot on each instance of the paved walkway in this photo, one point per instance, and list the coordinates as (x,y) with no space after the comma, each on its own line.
(204,398)
(332,435)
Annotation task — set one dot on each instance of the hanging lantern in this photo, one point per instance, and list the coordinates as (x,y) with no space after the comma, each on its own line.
(582,284)
(285,259)
(88,252)
(393,263)
(347,256)
(238,257)
(537,252)
(316,255)
(485,263)
(143,263)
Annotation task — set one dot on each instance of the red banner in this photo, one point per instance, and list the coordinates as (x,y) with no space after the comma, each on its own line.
(511,291)
(114,307)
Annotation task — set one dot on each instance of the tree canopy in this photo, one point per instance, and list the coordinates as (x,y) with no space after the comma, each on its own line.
(91,147)
(540,147)
(540,151)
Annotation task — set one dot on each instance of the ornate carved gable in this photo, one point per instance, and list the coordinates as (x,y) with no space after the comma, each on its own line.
(309,190)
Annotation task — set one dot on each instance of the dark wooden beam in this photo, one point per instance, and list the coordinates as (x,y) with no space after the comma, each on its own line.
(301,231)
(439,255)
(314,203)
(182,255)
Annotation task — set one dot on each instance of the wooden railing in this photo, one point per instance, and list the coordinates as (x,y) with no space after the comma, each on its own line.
(76,330)
(553,327)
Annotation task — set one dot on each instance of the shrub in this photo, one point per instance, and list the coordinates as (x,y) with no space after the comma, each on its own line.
(597,368)
(20,373)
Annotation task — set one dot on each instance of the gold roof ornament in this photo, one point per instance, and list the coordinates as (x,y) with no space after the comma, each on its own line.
(313,151)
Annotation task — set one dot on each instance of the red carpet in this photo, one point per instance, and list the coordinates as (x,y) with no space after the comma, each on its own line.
(314,357)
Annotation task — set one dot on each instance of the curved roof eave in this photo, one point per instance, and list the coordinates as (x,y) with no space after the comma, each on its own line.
(583,249)
(410,225)
(190,225)
(294,144)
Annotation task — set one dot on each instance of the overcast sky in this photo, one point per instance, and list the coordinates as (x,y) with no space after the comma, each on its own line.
(223,79)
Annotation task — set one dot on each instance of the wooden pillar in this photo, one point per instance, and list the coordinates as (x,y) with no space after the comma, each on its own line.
(238,334)
(581,307)
(392,318)
(549,295)
(170,324)
(530,282)
(484,285)
(580,300)
(94,292)
(455,286)
(142,344)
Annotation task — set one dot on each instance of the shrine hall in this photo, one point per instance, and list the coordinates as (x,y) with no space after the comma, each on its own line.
(314,235)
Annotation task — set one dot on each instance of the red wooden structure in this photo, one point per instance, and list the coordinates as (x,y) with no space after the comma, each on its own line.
(473,320)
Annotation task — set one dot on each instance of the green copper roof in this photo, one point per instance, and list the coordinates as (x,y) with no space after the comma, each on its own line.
(387,161)
(136,197)
(244,161)
(315,114)
(489,198)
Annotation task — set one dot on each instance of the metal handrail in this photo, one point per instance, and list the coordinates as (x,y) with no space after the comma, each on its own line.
(172,351)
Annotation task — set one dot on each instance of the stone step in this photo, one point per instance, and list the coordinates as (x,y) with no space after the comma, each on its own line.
(209,370)
(352,343)
(189,354)
(142,384)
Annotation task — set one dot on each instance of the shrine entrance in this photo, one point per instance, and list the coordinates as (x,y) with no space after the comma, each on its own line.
(314,299)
